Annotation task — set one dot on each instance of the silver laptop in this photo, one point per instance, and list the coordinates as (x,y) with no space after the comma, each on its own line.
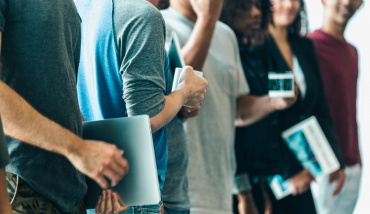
(133,135)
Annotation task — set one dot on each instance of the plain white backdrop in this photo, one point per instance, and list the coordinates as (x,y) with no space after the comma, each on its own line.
(358,33)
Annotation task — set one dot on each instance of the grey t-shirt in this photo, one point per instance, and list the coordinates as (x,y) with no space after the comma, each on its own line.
(211,134)
(40,55)
(4,156)
(175,189)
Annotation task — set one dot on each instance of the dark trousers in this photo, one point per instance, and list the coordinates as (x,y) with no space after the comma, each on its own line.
(301,204)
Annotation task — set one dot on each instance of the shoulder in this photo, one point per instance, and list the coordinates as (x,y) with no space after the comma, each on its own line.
(353,48)
(226,34)
(225,30)
(302,42)
(140,11)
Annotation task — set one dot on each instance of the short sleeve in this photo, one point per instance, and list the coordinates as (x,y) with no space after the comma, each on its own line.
(3,9)
(140,35)
(4,156)
(242,183)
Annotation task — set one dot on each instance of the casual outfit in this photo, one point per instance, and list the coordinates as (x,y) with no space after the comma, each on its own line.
(339,69)
(40,54)
(261,151)
(122,65)
(4,156)
(175,188)
(211,134)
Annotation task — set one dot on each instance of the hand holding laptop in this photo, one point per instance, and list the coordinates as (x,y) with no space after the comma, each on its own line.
(109,202)
(99,160)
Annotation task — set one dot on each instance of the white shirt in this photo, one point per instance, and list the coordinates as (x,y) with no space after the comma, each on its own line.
(299,77)
(211,134)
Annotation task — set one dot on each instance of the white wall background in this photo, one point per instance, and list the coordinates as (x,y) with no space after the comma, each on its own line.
(358,33)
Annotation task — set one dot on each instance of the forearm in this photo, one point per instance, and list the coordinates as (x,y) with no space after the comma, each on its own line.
(21,121)
(196,49)
(4,198)
(174,102)
(251,109)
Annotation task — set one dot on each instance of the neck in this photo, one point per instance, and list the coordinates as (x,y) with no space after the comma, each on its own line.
(334,29)
(185,9)
(154,2)
(279,33)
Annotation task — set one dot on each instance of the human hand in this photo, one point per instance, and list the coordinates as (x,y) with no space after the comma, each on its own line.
(193,86)
(340,177)
(285,103)
(246,203)
(109,202)
(301,182)
(186,112)
(207,9)
(99,160)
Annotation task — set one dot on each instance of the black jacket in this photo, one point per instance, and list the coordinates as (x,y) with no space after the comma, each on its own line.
(260,149)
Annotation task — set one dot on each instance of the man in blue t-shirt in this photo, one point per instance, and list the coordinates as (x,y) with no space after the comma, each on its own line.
(123,57)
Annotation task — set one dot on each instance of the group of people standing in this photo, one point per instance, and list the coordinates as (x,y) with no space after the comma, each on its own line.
(68,61)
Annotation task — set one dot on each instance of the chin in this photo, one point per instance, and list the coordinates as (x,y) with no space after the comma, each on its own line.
(343,21)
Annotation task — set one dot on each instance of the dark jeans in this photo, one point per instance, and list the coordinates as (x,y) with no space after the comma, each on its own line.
(169,211)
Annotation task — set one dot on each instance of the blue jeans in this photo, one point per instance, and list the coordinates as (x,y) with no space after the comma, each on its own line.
(146,209)
(169,211)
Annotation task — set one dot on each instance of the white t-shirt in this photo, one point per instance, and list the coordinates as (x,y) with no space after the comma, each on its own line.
(211,134)
(299,77)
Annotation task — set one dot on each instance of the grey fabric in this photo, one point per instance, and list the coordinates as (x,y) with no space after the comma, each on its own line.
(40,56)
(4,156)
(211,134)
(135,34)
(242,183)
(175,189)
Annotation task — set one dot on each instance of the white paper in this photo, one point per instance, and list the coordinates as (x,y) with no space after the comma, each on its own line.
(176,78)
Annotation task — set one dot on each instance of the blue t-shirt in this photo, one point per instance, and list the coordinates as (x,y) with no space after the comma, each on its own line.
(122,64)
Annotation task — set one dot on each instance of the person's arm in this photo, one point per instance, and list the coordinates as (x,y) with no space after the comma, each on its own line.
(243,189)
(5,207)
(93,158)
(191,93)
(251,109)
(246,204)
(140,44)
(195,51)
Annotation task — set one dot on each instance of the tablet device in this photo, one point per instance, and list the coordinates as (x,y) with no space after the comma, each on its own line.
(174,53)
(133,135)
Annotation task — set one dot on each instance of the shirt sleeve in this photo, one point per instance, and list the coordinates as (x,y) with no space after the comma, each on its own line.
(140,34)
(242,183)
(4,156)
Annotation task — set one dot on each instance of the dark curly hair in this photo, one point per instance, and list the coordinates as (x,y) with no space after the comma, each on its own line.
(231,11)
(300,24)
